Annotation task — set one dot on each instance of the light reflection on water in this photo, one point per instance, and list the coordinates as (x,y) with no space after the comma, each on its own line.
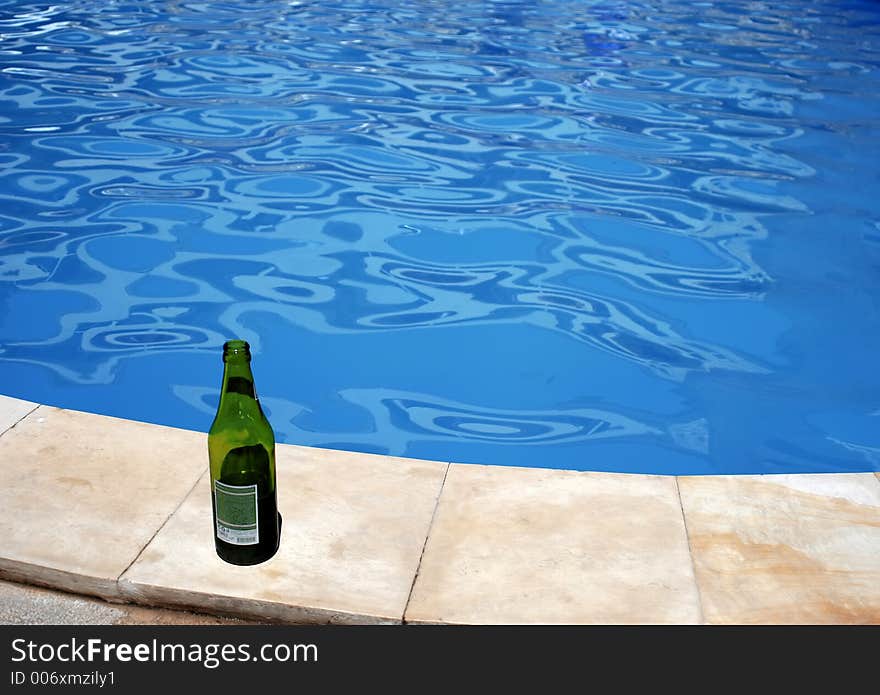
(599,235)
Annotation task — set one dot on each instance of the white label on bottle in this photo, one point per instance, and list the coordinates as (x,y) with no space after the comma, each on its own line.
(236,510)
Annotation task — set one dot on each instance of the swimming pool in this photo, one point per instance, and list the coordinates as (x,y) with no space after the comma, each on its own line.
(620,236)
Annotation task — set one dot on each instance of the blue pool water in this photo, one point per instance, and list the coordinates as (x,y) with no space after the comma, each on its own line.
(617,235)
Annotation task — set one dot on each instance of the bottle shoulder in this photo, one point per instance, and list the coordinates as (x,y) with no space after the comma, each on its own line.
(251,421)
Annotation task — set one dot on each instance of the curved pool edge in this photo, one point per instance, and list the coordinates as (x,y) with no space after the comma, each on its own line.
(121,510)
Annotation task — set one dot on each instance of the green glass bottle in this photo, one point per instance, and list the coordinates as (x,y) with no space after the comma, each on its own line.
(241,450)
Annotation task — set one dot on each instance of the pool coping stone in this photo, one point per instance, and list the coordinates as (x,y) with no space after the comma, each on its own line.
(399,540)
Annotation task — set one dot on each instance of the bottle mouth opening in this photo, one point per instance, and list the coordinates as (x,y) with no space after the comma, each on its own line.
(236,349)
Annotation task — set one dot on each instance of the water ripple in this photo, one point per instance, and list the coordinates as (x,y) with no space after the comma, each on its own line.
(636,235)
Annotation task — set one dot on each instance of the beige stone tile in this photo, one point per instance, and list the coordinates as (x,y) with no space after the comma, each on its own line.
(786,548)
(12,410)
(354,526)
(82,494)
(520,545)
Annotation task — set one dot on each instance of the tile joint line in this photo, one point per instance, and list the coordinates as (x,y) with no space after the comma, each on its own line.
(687,534)
(161,526)
(30,412)
(425,544)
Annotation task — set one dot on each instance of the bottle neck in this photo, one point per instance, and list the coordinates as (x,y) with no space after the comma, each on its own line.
(238,392)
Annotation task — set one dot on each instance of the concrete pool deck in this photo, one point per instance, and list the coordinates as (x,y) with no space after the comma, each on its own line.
(121,510)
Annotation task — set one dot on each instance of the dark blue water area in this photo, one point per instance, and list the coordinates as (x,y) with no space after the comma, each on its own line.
(619,236)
